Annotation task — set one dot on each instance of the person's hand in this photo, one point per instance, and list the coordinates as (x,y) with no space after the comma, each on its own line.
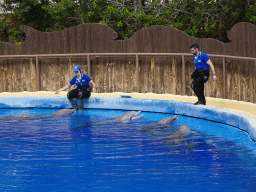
(94,89)
(57,92)
(214,77)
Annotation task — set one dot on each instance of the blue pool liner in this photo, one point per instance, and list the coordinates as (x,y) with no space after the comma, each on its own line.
(236,119)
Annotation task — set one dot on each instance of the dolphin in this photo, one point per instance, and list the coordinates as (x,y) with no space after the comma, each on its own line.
(26,116)
(19,117)
(62,112)
(59,113)
(124,118)
(174,139)
(179,137)
(160,124)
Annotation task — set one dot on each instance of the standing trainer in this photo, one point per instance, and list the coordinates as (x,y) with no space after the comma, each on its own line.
(201,74)
(84,85)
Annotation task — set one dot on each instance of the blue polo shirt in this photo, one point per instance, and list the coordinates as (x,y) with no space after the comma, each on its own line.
(84,81)
(201,60)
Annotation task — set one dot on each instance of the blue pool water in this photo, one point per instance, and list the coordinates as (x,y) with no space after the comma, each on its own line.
(52,155)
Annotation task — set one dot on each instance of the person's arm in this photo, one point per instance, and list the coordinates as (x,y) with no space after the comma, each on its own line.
(213,70)
(63,89)
(92,85)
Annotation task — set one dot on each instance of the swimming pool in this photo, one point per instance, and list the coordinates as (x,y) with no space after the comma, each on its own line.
(51,155)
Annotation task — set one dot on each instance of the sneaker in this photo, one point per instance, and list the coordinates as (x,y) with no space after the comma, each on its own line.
(199,103)
(196,103)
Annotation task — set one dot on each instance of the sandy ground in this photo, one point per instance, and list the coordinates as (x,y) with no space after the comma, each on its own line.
(238,106)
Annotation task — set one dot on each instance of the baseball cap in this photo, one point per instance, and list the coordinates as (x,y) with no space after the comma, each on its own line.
(76,68)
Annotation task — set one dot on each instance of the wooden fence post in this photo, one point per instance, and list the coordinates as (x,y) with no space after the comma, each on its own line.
(37,74)
(88,65)
(224,78)
(137,73)
(183,76)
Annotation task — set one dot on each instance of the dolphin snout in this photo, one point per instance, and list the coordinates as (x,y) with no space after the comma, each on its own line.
(134,115)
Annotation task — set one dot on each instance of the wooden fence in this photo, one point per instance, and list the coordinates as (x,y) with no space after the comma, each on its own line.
(130,72)
(155,59)
(97,38)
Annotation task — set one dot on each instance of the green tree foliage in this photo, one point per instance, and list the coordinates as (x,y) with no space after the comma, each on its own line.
(211,18)
(197,18)
(28,12)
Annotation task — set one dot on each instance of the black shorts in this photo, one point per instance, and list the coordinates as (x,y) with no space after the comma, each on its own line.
(80,92)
